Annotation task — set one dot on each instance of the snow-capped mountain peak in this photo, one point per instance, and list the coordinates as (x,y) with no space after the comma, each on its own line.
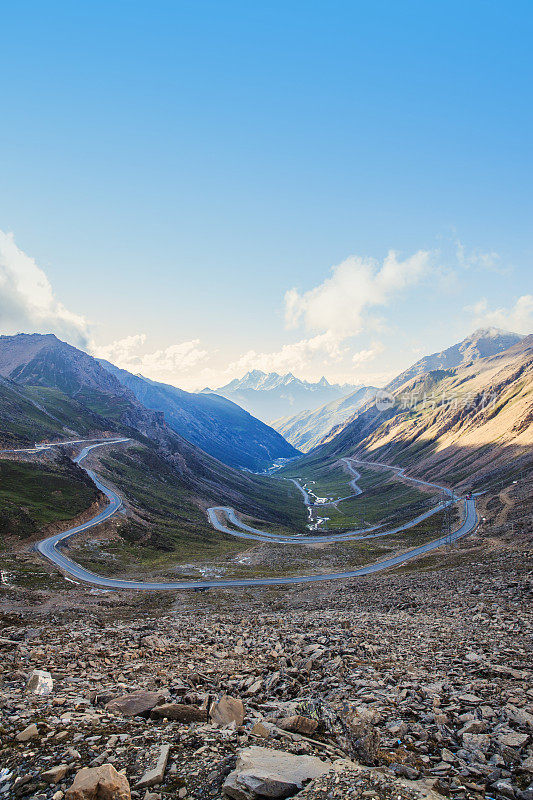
(269,395)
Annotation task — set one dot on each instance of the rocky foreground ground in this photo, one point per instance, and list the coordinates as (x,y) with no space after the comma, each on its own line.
(403,685)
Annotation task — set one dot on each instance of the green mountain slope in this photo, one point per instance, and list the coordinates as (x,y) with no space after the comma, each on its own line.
(34,495)
(60,391)
(35,413)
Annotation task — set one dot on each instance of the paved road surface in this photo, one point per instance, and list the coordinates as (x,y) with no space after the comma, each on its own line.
(48,547)
(353,483)
(305,495)
(401,473)
(245,531)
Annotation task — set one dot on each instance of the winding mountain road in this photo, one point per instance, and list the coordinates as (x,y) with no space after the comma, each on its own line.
(245,531)
(353,483)
(48,547)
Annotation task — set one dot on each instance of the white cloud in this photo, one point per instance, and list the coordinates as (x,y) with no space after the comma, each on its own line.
(363,356)
(338,305)
(477,259)
(123,353)
(518,318)
(27,302)
(167,364)
(335,310)
(295,357)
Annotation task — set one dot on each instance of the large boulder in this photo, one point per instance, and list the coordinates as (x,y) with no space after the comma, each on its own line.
(181,712)
(138,703)
(99,783)
(261,772)
(227,710)
(40,682)
(363,739)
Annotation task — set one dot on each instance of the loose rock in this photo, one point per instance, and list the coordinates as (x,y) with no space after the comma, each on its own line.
(40,682)
(227,710)
(99,783)
(261,772)
(136,704)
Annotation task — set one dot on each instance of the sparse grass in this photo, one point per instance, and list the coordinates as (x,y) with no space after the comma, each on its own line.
(35,413)
(157,490)
(26,571)
(392,501)
(263,559)
(34,495)
(169,534)
(68,412)
(108,406)
(169,528)
(22,421)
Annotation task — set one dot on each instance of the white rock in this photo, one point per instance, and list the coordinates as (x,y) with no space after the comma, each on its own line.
(40,682)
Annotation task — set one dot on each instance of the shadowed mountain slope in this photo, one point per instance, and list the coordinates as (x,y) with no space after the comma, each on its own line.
(220,427)
(51,390)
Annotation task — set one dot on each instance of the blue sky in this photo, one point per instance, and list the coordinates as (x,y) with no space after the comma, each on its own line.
(185,175)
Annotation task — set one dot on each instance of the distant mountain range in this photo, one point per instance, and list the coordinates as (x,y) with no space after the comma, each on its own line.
(306,430)
(217,425)
(270,396)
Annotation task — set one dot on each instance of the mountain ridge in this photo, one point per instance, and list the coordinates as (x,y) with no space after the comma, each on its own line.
(481,343)
(307,429)
(217,425)
(485,425)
